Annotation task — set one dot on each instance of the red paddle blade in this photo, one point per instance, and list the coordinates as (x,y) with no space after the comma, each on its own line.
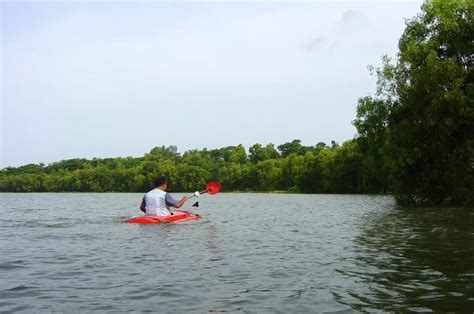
(213,187)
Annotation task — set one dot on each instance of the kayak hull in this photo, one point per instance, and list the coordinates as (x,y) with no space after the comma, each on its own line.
(178,216)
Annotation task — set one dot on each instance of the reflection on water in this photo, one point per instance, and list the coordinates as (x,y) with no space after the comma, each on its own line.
(249,253)
(414,258)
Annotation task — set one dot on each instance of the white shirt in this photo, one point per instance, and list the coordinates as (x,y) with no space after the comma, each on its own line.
(156,203)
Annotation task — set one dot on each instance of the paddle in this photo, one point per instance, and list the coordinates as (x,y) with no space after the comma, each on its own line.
(212,188)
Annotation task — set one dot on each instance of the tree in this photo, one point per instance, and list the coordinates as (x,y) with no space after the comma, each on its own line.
(431,113)
(162,153)
(371,124)
(258,152)
(293,168)
(190,178)
(238,155)
(235,177)
(293,147)
(311,180)
(269,174)
(342,169)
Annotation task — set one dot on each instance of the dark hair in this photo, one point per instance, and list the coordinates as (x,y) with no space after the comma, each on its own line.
(159,181)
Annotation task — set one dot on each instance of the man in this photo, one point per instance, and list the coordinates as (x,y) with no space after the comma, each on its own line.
(158,201)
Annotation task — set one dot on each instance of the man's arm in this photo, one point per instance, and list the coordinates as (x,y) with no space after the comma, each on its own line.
(181,202)
(172,202)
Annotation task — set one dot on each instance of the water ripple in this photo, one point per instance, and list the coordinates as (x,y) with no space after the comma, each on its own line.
(249,253)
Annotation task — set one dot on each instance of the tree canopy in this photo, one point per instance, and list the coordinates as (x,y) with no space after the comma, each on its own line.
(293,167)
(419,127)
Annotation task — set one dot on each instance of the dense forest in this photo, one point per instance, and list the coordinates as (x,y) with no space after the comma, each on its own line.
(289,167)
(414,136)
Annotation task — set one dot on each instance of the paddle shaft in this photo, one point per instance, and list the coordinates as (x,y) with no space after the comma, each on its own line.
(202,192)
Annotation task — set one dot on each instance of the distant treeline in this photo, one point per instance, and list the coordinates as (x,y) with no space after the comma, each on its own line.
(289,167)
(414,136)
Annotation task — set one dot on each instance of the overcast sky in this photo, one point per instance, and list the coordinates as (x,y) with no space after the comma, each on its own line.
(109,79)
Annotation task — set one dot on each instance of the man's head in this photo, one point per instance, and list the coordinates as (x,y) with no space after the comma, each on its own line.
(161,182)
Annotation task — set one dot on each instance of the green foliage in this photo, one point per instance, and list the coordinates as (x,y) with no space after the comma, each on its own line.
(344,165)
(312,179)
(161,153)
(258,153)
(421,124)
(294,147)
(371,124)
(306,169)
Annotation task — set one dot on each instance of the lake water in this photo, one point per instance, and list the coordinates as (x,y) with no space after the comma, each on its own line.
(248,253)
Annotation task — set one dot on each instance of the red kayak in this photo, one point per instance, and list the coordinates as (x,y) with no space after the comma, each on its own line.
(178,216)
